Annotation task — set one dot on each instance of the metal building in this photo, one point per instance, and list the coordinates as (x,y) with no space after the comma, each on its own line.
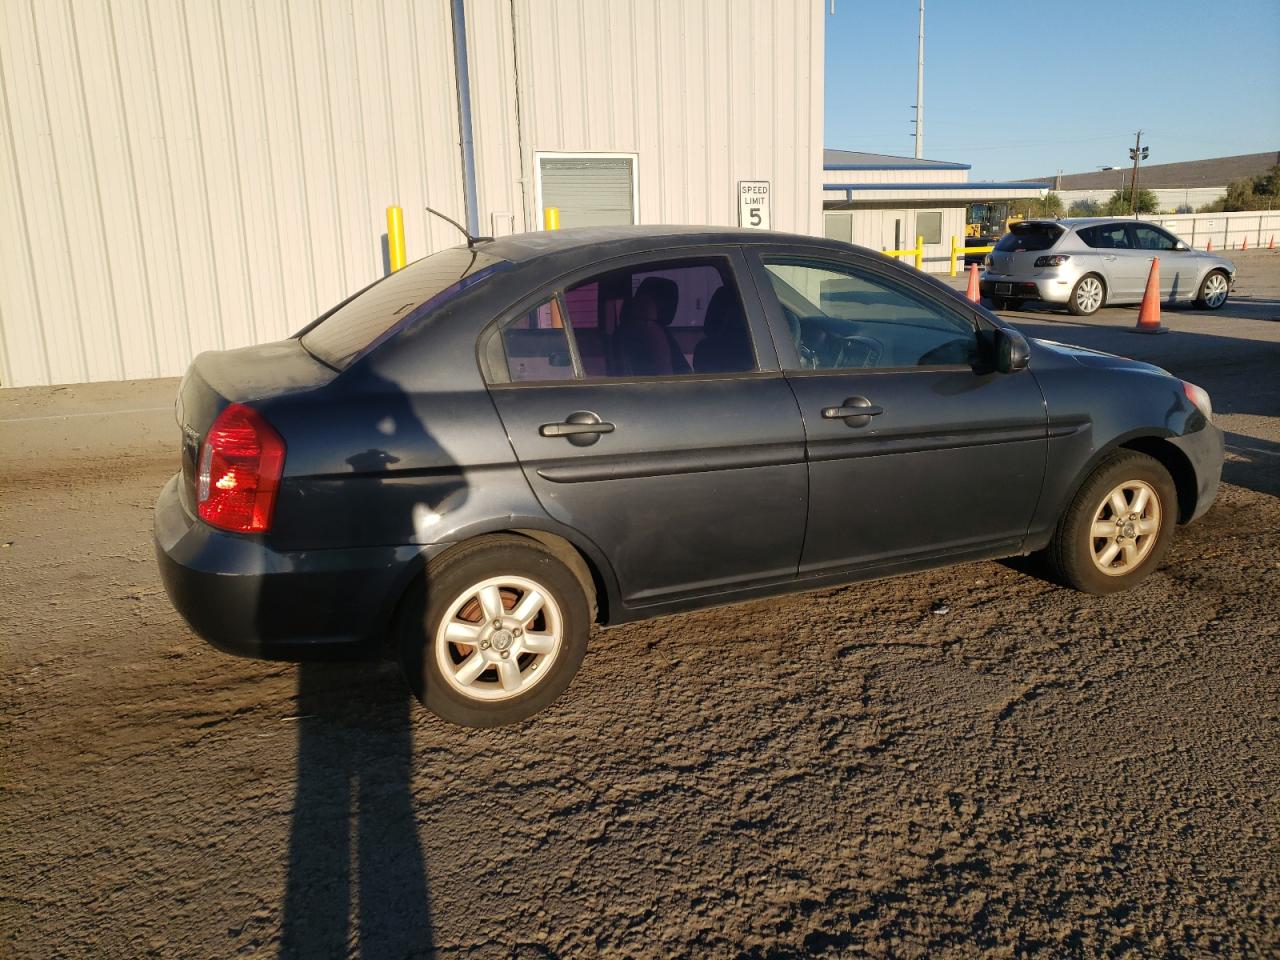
(185,175)
(886,202)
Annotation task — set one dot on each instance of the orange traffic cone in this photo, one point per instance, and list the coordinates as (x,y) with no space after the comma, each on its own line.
(1245,245)
(1272,244)
(973,294)
(1149,314)
(1209,248)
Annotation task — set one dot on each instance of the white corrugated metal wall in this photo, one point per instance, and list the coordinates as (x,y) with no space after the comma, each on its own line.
(183,175)
(705,92)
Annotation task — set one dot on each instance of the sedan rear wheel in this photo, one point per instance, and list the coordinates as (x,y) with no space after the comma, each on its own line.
(495,633)
(1214,290)
(1087,296)
(1119,526)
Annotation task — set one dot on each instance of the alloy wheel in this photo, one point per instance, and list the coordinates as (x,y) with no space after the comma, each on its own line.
(1089,294)
(499,637)
(1215,290)
(1125,528)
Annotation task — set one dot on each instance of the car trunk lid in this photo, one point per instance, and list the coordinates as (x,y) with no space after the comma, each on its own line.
(247,375)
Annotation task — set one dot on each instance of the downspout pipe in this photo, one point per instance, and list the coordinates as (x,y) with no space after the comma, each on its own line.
(463,82)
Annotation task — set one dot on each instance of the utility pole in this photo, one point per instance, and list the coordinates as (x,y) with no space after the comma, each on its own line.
(1136,152)
(920,87)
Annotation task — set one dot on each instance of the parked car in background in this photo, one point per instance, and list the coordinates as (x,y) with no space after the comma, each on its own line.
(1088,262)
(469,462)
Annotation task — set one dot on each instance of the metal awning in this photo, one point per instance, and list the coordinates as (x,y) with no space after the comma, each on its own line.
(839,195)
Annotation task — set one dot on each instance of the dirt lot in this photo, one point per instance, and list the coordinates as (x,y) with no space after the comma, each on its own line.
(963,762)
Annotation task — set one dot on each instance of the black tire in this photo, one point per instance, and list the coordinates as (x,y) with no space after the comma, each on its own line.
(1086,309)
(1070,554)
(1203,299)
(428,601)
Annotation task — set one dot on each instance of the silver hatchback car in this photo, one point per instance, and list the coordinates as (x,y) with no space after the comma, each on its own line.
(1088,262)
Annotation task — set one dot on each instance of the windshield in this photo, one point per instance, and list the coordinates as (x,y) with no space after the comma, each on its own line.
(373,314)
(1029,236)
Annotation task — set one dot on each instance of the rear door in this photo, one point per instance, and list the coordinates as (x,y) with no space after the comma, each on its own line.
(1124,267)
(645,404)
(948,458)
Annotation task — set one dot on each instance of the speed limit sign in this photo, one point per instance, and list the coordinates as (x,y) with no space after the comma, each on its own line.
(753,204)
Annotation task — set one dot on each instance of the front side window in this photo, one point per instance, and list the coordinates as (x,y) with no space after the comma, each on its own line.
(1149,238)
(840,318)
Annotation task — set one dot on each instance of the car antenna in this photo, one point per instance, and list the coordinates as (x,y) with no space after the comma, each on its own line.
(471,241)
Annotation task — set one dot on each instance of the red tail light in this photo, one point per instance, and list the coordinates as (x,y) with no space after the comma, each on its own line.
(240,467)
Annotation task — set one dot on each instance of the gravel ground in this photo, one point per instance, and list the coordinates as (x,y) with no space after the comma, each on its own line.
(969,761)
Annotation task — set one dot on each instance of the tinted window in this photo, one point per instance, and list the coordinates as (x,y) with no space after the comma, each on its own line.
(373,314)
(1106,236)
(660,319)
(537,346)
(1149,238)
(1029,236)
(841,318)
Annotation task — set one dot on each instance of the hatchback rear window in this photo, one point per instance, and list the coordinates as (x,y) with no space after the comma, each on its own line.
(1029,236)
(373,314)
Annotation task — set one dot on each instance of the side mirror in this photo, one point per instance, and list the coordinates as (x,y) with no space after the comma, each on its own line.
(1013,353)
(1181,247)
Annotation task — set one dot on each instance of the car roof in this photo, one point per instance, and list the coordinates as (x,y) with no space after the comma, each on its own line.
(1071,222)
(600,241)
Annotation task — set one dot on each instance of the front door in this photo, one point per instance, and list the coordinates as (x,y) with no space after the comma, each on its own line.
(948,457)
(645,405)
(1177,267)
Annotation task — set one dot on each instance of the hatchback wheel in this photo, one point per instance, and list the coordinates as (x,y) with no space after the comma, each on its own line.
(1119,526)
(1213,291)
(1087,296)
(495,634)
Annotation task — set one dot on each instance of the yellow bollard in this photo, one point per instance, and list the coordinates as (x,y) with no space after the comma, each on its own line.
(953,255)
(551,218)
(395,238)
(919,252)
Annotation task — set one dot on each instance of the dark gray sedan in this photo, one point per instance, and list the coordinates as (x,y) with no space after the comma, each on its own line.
(468,463)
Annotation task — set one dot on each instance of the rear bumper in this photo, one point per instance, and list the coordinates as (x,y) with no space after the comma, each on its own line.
(245,598)
(1050,289)
(1205,449)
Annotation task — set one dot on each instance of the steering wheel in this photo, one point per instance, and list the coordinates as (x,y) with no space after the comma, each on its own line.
(858,352)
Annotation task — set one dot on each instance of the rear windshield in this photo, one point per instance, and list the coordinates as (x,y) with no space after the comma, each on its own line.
(373,314)
(1029,236)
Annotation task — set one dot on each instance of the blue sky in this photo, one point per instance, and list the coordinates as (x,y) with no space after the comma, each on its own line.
(1022,89)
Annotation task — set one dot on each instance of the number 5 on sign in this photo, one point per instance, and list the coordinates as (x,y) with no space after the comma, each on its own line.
(753,204)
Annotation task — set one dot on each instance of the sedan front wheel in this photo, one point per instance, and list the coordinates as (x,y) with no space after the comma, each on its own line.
(1119,526)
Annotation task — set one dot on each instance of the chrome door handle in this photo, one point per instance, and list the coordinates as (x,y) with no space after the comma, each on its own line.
(581,428)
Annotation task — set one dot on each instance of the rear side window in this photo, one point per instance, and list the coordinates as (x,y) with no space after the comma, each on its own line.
(657,319)
(1029,237)
(372,315)
(1106,236)
(537,346)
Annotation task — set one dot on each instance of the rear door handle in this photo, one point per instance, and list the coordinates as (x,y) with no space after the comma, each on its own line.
(855,412)
(582,428)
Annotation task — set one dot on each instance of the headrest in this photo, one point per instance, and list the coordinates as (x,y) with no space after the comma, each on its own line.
(722,313)
(664,292)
